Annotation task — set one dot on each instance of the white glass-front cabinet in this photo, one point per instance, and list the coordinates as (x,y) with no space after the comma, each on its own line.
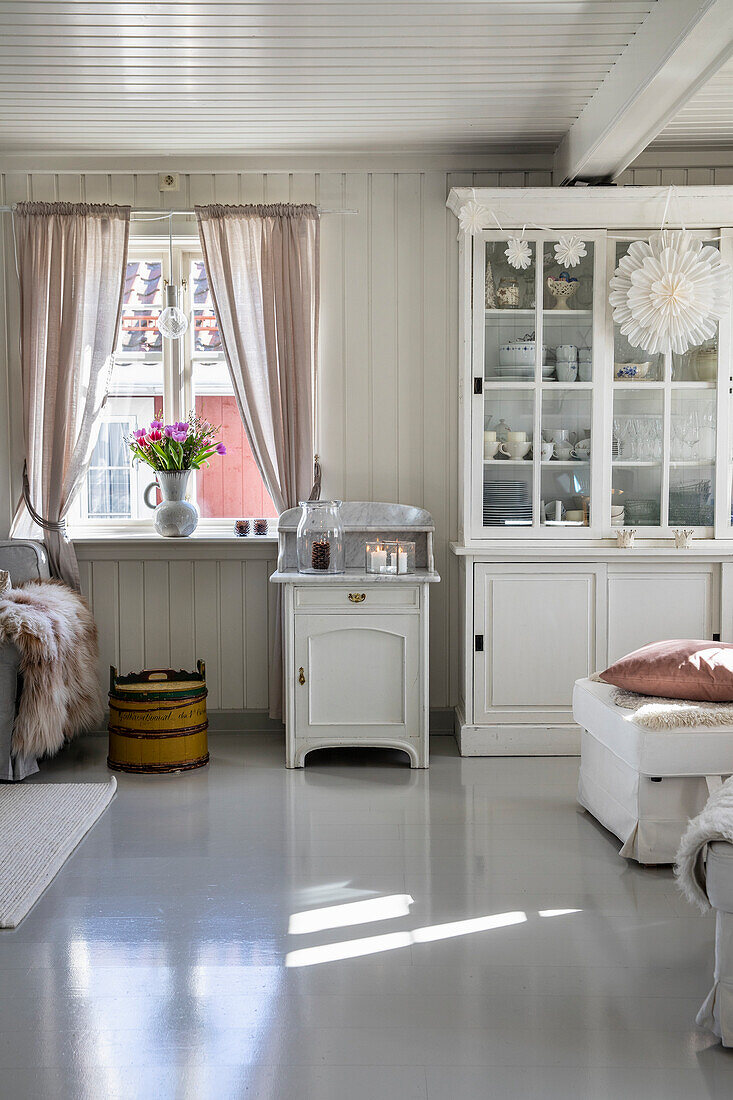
(569,433)
(538,346)
(574,432)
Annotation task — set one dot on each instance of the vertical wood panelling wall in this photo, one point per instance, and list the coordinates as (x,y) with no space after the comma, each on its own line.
(153,612)
(387,410)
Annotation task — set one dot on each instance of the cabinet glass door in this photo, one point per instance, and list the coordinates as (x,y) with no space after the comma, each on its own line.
(534,337)
(509,397)
(664,436)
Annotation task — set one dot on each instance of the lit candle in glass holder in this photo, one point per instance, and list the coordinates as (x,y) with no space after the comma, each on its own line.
(376,558)
(405,557)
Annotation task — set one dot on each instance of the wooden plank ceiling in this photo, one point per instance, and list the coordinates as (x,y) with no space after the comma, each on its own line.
(706,119)
(233,77)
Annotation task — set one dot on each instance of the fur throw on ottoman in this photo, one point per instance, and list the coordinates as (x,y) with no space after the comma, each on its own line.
(53,629)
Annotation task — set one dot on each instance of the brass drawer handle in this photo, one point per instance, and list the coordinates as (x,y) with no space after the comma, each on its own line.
(301,676)
(357,597)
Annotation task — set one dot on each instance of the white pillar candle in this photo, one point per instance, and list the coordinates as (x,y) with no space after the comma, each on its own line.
(379,561)
(402,562)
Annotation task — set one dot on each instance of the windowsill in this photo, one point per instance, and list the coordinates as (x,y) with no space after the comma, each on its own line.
(149,535)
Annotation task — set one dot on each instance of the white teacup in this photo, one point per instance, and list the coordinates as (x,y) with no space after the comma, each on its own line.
(575,516)
(516,437)
(566,353)
(554,510)
(490,448)
(514,450)
(566,371)
(557,435)
(563,450)
(547,450)
(582,449)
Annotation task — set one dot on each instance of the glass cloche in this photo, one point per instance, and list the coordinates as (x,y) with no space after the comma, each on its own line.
(320,537)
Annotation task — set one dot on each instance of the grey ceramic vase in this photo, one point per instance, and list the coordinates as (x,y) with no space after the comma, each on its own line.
(175,517)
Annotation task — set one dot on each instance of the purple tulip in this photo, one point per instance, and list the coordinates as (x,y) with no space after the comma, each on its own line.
(140,433)
(156,425)
(181,426)
(180,437)
(169,430)
(221,449)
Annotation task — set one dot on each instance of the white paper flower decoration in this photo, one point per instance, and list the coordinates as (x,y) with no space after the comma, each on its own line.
(569,251)
(518,253)
(668,292)
(472,217)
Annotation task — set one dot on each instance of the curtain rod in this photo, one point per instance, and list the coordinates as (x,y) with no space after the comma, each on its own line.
(190,213)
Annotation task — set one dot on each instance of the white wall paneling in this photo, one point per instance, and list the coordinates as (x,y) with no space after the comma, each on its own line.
(388,403)
(157,605)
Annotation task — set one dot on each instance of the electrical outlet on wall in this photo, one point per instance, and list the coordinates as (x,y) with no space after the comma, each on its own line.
(168,181)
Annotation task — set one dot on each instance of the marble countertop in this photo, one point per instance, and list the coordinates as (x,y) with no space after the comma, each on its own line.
(355,576)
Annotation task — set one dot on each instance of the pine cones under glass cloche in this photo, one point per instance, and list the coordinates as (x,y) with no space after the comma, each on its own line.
(321,554)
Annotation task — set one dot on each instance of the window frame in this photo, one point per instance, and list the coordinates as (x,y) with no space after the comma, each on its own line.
(177,367)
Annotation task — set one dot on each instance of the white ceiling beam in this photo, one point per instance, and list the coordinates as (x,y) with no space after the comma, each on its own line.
(679,46)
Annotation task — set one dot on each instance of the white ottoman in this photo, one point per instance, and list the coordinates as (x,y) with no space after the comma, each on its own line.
(716,1013)
(644,785)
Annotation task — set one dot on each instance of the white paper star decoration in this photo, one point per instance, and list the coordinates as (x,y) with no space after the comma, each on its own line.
(570,250)
(667,293)
(472,217)
(518,253)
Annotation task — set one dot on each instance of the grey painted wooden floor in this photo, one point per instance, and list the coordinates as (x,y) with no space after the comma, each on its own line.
(354,931)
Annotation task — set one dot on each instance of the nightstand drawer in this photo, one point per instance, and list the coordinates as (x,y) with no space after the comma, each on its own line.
(385,597)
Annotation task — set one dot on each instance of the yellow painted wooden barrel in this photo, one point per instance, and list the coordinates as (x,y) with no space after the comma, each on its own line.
(157,720)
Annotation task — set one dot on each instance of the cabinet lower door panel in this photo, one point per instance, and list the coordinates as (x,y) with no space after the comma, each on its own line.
(651,606)
(539,632)
(362,676)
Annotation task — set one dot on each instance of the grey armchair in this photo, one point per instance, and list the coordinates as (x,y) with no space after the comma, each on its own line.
(24,561)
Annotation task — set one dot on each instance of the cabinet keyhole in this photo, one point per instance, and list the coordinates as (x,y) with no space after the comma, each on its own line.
(301,676)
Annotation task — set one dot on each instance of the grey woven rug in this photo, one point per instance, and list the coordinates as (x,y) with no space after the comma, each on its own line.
(40,825)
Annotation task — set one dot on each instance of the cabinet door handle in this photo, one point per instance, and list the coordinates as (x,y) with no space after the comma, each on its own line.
(301,676)
(357,597)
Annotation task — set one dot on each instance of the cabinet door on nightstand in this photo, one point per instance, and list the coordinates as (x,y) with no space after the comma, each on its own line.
(538,625)
(361,673)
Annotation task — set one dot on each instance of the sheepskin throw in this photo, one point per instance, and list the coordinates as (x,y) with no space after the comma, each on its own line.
(654,712)
(54,631)
(715,822)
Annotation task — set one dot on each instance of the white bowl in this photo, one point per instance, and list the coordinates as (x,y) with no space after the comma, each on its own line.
(520,353)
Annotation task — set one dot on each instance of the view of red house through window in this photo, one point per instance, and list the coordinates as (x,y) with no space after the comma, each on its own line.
(146,370)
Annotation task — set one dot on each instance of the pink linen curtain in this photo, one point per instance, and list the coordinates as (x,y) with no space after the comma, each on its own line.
(263,268)
(71,267)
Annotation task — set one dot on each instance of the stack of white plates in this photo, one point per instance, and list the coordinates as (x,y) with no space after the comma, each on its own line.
(523,374)
(507,502)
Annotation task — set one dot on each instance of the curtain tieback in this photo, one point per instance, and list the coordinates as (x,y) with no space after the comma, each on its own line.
(45,524)
(316,490)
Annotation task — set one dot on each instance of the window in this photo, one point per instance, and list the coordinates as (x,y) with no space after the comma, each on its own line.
(150,374)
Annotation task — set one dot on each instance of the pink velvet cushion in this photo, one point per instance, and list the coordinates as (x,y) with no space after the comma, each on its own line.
(677,669)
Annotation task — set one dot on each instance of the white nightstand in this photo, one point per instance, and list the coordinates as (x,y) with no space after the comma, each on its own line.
(356,643)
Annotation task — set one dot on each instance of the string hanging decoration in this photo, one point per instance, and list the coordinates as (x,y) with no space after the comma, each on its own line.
(570,250)
(668,293)
(471,218)
(519,254)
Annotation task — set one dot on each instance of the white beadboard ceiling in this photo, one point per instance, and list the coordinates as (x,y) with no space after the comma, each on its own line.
(230,77)
(706,119)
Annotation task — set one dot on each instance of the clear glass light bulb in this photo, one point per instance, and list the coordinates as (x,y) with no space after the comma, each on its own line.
(172,322)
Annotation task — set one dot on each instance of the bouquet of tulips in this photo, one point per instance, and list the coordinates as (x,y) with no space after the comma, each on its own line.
(186,445)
